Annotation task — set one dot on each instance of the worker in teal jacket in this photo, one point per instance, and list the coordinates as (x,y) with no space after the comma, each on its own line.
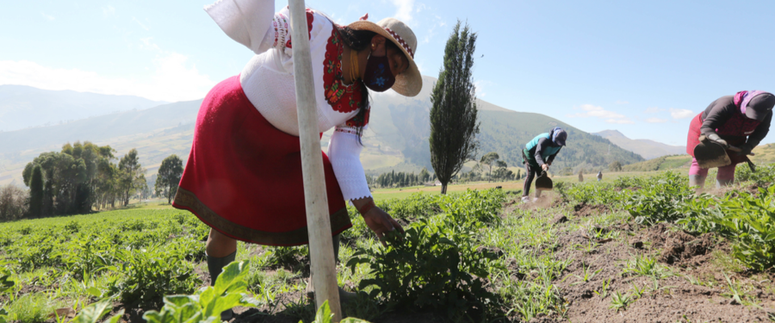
(539,154)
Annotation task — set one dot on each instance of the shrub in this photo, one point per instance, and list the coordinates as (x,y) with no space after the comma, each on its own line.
(13,203)
(152,274)
(437,264)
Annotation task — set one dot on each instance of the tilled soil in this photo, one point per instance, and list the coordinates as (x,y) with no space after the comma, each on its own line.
(670,299)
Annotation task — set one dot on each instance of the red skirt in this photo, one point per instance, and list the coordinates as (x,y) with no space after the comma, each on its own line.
(243,176)
(693,140)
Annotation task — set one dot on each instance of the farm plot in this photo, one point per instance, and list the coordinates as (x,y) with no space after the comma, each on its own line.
(637,249)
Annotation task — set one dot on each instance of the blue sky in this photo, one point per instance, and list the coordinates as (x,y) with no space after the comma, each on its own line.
(643,68)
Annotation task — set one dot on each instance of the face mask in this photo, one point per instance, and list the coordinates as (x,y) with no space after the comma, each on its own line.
(378,76)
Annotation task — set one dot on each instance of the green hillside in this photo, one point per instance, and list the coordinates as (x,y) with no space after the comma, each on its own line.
(397,137)
(660,163)
(764,154)
(507,132)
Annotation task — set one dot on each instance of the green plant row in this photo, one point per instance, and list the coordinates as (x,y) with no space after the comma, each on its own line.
(438,264)
(143,255)
(747,219)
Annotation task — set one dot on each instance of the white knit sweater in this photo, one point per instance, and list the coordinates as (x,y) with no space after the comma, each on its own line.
(267,80)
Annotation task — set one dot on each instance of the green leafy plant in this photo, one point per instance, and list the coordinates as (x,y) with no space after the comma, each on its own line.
(586,276)
(287,256)
(93,313)
(646,266)
(620,302)
(638,292)
(6,282)
(438,263)
(206,304)
(427,269)
(603,291)
(151,274)
(735,290)
(324,315)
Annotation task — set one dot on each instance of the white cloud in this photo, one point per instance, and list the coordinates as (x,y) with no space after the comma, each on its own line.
(599,112)
(479,86)
(149,45)
(141,24)
(619,121)
(681,113)
(656,120)
(171,80)
(48,17)
(654,110)
(431,33)
(108,11)
(405,9)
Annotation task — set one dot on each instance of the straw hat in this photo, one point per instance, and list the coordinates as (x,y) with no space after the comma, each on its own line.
(409,82)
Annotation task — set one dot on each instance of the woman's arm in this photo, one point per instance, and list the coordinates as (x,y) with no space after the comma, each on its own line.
(246,21)
(551,158)
(542,143)
(717,114)
(761,131)
(344,153)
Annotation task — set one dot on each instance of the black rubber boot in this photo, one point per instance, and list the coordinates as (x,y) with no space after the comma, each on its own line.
(215,265)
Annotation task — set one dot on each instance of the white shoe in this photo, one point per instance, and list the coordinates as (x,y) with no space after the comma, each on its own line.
(525,199)
(535,199)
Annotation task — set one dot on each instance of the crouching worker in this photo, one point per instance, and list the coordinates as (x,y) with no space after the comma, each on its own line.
(736,122)
(538,156)
(243,177)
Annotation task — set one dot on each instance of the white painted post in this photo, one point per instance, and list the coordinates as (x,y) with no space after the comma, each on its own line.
(321,247)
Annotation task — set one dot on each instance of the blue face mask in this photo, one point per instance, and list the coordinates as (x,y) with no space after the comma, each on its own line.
(378,76)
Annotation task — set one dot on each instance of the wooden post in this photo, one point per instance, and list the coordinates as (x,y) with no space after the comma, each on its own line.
(321,247)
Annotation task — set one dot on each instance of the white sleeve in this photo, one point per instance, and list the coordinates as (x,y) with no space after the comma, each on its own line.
(248,22)
(344,151)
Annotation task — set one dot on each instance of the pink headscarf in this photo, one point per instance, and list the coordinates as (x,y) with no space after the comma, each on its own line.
(743,97)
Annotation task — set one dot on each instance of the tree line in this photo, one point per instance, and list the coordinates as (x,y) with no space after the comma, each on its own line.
(489,168)
(84,177)
(400,179)
(80,177)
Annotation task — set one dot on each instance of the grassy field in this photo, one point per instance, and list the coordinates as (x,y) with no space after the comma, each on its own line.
(474,255)
(383,194)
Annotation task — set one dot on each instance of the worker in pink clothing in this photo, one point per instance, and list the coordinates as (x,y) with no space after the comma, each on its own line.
(741,121)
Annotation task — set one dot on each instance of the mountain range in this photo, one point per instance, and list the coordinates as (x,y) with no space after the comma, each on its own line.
(396,139)
(24,106)
(649,149)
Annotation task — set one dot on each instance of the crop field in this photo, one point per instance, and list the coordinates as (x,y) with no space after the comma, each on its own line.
(636,247)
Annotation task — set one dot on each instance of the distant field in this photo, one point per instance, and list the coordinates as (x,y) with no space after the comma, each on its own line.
(400,193)
(661,163)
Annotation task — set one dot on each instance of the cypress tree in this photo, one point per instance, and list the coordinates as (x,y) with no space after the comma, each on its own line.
(453,115)
(36,192)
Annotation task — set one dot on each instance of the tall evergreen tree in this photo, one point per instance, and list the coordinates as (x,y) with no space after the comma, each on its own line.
(453,115)
(36,192)
(131,175)
(167,181)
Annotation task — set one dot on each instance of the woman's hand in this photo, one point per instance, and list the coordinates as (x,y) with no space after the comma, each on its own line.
(545,167)
(381,223)
(378,220)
